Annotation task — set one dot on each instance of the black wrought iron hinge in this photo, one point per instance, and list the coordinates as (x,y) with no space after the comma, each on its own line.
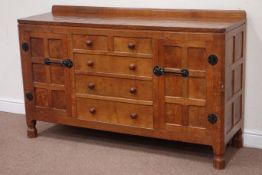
(25,46)
(29,96)
(212,118)
(212,59)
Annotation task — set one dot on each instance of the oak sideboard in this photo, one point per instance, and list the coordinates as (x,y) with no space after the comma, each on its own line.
(169,74)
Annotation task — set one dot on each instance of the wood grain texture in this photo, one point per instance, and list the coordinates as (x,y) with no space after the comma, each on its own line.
(90,42)
(115,113)
(111,85)
(116,65)
(147,12)
(152,19)
(50,84)
(115,87)
(235,84)
(133,45)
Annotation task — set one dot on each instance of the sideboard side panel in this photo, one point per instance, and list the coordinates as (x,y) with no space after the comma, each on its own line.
(234,81)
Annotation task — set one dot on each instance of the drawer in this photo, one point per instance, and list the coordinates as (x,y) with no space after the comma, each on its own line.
(90,42)
(113,64)
(133,45)
(114,87)
(115,112)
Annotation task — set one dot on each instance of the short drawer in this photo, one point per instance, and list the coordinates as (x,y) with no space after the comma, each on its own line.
(90,42)
(133,45)
(115,113)
(114,87)
(113,64)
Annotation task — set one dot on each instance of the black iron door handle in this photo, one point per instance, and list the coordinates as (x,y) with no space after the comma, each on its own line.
(158,71)
(67,63)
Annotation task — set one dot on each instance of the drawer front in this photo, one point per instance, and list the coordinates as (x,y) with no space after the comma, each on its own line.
(133,45)
(90,42)
(113,65)
(114,87)
(115,113)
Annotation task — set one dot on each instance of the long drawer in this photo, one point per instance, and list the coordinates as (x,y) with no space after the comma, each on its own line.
(114,87)
(115,112)
(113,64)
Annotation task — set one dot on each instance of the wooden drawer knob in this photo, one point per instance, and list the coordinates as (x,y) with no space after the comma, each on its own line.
(131,45)
(90,63)
(89,42)
(91,85)
(133,115)
(92,110)
(132,66)
(132,90)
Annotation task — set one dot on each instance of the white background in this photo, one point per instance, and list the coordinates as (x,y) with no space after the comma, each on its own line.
(11,94)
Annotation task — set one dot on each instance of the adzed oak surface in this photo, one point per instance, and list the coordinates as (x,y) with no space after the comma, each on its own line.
(150,19)
(111,84)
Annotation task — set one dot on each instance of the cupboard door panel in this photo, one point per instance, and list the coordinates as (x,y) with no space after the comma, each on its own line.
(39,73)
(41,97)
(56,48)
(57,74)
(174,114)
(197,88)
(58,99)
(37,47)
(183,99)
(197,117)
(197,58)
(172,56)
(50,83)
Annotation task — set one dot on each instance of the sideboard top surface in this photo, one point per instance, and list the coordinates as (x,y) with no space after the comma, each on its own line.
(146,19)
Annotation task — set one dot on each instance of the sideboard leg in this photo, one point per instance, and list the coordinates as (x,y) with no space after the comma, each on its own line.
(237,141)
(31,129)
(219,162)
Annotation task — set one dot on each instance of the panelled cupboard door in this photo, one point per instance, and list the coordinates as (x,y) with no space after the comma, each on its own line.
(49,75)
(184,74)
